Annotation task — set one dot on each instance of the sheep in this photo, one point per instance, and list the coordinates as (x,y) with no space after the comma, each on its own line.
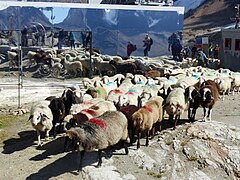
(99,133)
(73,67)
(113,95)
(145,118)
(194,101)
(58,110)
(116,78)
(129,98)
(176,104)
(56,69)
(41,119)
(209,96)
(104,68)
(224,85)
(94,111)
(235,82)
(69,98)
(128,112)
(13,59)
(30,57)
(97,92)
(125,67)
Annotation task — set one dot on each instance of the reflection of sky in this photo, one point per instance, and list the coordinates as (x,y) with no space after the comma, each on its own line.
(59,13)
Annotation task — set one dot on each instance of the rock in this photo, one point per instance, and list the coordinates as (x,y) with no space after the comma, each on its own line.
(129,177)
(177,145)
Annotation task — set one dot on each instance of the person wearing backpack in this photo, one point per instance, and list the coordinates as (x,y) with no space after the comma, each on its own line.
(130,48)
(148,41)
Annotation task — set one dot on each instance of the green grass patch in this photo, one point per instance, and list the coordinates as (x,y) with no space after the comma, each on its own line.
(156,175)
(6,120)
(193,158)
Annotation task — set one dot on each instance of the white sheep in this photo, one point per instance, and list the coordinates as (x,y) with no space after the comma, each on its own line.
(224,85)
(176,104)
(41,118)
(30,57)
(12,57)
(235,82)
(73,67)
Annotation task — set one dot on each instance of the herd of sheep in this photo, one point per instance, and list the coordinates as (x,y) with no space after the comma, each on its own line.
(129,106)
(76,62)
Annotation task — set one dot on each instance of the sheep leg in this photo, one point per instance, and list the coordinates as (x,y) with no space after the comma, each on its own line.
(125,147)
(175,121)
(147,139)
(99,158)
(138,141)
(39,138)
(210,113)
(193,114)
(204,114)
(81,154)
(47,135)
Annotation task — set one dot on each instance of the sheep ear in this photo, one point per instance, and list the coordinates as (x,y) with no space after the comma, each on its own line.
(30,117)
(45,116)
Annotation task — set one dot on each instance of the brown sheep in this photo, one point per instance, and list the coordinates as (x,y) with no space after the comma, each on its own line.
(145,118)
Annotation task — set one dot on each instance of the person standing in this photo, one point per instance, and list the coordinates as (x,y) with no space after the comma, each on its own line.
(176,47)
(194,50)
(130,48)
(147,44)
(24,33)
(216,51)
(60,38)
(210,50)
(72,40)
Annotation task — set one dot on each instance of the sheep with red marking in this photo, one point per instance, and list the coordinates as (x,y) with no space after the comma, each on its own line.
(99,133)
(93,111)
(145,118)
(209,96)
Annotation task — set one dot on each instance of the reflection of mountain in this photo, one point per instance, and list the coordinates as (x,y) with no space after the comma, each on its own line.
(112,29)
(21,16)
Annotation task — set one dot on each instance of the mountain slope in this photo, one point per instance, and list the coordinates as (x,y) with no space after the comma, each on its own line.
(212,13)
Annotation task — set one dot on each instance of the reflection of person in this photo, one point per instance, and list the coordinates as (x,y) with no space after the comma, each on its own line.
(83,36)
(24,36)
(130,48)
(147,44)
(72,40)
(60,38)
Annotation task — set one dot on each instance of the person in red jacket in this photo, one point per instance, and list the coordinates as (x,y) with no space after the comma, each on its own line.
(216,51)
(130,48)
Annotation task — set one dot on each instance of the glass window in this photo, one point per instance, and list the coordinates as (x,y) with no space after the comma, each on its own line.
(237,44)
(228,43)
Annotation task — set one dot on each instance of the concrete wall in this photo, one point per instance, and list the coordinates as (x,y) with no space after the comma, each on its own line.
(231,58)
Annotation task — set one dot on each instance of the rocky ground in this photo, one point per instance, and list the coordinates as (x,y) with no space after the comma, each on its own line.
(200,150)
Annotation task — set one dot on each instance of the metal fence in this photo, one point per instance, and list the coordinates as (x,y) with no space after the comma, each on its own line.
(17,68)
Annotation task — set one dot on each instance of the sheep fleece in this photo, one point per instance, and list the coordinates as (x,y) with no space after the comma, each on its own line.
(92,136)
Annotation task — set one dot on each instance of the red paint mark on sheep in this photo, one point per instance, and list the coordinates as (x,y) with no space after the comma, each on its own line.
(148,108)
(98,122)
(117,91)
(89,111)
(130,93)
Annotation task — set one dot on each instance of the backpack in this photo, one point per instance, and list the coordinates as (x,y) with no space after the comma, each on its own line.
(134,47)
(151,41)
